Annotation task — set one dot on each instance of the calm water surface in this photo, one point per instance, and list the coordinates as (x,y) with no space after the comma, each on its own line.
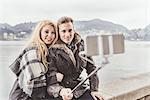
(135,60)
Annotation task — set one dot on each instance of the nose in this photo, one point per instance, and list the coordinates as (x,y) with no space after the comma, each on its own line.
(67,34)
(49,34)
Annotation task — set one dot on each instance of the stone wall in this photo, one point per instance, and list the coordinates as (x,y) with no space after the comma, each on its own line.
(132,88)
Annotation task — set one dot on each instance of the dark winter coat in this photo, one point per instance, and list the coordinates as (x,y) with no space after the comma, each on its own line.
(70,64)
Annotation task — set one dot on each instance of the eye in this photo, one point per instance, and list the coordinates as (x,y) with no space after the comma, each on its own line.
(53,33)
(46,31)
(63,31)
(70,30)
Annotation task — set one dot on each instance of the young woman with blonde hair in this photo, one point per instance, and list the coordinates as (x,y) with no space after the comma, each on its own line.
(31,65)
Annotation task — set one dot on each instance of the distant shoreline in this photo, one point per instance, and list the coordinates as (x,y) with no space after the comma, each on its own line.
(125,40)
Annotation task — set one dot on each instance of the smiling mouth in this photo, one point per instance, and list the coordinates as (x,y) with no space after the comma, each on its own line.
(67,38)
(49,40)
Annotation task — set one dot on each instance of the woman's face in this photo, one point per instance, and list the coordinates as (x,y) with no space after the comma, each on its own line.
(66,32)
(48,34)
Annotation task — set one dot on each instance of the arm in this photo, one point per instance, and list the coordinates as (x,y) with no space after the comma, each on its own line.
(94,83)
(54,78)
(94,80)
(31,69)
(53,87)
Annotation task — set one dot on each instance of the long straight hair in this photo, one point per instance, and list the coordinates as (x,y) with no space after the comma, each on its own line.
(37,41)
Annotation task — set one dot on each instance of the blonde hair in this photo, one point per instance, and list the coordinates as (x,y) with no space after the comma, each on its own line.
(37,42)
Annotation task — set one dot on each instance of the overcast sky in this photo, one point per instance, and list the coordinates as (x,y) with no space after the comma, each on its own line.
(129,13)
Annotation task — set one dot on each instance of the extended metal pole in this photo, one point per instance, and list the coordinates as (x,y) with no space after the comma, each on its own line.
(93,72)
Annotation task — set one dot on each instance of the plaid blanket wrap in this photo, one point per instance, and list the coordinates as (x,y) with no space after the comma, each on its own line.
(29,70)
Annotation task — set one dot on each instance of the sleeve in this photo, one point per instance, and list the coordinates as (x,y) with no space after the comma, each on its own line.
(32,72)
(94,80)
(53,86)
(32,62)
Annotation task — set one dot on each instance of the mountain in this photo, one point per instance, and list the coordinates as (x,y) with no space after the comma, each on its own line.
(84,27)
(146,30)
(140,34)
(99,25)
(6,28)
(94,26)
(24,27)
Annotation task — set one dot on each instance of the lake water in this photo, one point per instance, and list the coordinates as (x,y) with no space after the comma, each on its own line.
(135,60)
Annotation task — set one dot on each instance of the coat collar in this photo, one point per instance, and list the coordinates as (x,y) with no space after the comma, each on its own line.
(68,55)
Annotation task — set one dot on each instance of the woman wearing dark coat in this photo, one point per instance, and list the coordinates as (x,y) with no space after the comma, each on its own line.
(64,58)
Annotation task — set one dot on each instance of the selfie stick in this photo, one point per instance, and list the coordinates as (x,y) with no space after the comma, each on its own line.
(92,73)
(111,44)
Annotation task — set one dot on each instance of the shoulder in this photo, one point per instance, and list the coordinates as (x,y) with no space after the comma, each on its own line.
(25,54)
(78,40)
(52,51)
(81,42)
(56,48)
(31,53)
(80,45)
(30,48)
